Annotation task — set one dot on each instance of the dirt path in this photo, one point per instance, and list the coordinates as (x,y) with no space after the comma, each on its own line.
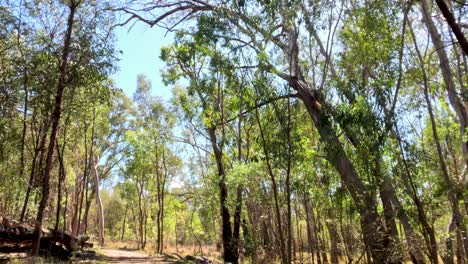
(112,255)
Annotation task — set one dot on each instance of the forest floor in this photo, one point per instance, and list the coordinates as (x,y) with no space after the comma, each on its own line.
(128,256)
(104,256)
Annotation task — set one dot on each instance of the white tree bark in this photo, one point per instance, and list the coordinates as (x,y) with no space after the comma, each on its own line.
(100,210)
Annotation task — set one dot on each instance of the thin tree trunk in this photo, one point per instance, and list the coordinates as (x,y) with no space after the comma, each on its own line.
(140,217)
(237,217)
(65,210)
(284,256)
(334,239)
(238,210)
(145,229)
(100,210)
(123,224)
(411,239)
(135,227)
(428,230)
(457,216)
(62,174)
(23,137)
(161,246)
(288,183)
(32,175)
(447,75)
(163,188)
(59,186)
(309,228)
(83,192)
(76,206)
(315,232)
(388,212)
(299,245)
(459,109)
(321,241)
(158,197)
(81,195)
(84,221)
(55,124)
(344,234)
(230,253)
(432,243)
(448,256)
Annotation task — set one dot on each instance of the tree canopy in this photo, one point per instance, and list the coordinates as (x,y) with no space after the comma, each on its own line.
(297,131)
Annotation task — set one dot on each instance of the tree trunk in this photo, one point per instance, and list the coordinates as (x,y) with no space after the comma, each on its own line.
(283,254)
(23,136)
(84,221)
(375,236)
(135,227)
(453,25)
(55,124)
(100,210)
(411,239)
(59,186)
(448,256)
(237,218)
(158,197)
(140,218)
(145,229)
(334,239)
(230,253)
(447,75)
(76,208)
(123,224)
(385,190)
(65,210)
(428,230)
(289,256)
(321,241)
(81,194)
(461,114)
(33,172)
(310,231)
(457,216)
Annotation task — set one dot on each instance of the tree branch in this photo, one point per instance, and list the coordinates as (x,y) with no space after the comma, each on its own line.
(269,101)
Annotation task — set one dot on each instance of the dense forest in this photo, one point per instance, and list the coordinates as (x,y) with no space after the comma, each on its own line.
(298,131)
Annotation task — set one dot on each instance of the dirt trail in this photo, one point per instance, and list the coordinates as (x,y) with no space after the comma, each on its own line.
(112,255)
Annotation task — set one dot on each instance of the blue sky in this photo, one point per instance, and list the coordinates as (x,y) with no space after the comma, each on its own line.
(141,48)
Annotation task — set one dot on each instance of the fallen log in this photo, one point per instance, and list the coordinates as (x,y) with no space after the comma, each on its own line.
(200,260)
(173,256)
(19,236)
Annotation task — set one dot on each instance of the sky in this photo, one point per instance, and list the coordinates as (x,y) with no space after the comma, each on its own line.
(140,48)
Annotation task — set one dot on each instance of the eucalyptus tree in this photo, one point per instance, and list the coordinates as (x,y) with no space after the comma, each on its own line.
(97,120)
(150,161)
(274,33)
(110,147)
(210,99)
(73,50)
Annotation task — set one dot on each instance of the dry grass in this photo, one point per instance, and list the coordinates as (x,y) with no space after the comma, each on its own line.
(209,251)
